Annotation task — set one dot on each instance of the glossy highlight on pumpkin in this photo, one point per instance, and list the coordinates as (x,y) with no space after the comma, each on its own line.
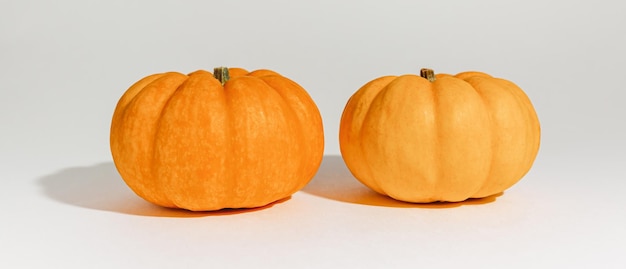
(187,141)
(449,139)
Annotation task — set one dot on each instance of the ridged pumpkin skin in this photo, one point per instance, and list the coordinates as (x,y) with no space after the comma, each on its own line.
(186,141)
(459,137)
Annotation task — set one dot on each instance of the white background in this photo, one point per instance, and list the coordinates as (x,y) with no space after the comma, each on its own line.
(64,64)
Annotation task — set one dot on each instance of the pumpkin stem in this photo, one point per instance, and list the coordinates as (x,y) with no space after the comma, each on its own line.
(221,74)
(428,74)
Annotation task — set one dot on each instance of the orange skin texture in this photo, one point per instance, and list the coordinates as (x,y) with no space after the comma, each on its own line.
(459,137)
(186,141)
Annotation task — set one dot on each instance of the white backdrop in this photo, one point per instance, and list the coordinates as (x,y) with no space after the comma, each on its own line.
(64,64)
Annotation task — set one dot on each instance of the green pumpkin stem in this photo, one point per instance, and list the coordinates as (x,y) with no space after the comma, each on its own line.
(221,74)
(428,74)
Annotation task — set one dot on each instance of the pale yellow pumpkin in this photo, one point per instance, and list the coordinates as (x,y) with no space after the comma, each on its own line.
(439,138)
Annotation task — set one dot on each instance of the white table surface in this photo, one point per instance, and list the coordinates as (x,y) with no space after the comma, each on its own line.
(558,216)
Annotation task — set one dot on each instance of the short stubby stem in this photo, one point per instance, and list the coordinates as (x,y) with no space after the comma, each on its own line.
(428,74)
(221,74)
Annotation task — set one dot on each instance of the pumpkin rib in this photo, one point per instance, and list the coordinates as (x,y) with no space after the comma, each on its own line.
(300,104)
(476,82)
(236,165)
(185,132)
(122,104)
(350,133)
(466,148)
(311,122)
(496,181)
(371,178)
(533,132)
(435,142)
(392,107)
(531,116)
(133,157)
(159,184)
(268,102)
(163,192)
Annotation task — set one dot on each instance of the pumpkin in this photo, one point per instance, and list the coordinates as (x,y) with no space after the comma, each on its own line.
(202,142)
(432,138)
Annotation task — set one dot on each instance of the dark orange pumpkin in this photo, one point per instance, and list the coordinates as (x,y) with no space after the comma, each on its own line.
(204,143)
